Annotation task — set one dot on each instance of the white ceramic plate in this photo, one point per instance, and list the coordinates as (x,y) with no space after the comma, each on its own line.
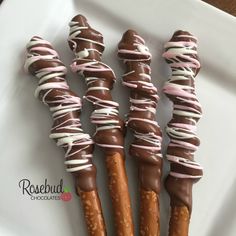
(27,152)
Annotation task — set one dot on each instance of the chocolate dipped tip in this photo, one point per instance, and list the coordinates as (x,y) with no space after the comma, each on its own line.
(128,37)
(184,39)
(42,42)
(35,37)
(91,38)
(82,20)
(132,47)
(34,51)
(182,35)
(181,32)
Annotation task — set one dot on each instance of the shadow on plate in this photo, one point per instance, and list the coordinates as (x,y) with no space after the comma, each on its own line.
(224,79)
(225,219)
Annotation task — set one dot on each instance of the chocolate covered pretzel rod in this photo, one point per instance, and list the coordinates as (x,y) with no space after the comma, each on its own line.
(146,147)
(87,45)
(53,90)
(181,55)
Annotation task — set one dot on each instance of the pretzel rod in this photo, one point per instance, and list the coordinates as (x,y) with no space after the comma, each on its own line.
(87,45)
(181,55)
(146,147)
(149,213)
(44,63)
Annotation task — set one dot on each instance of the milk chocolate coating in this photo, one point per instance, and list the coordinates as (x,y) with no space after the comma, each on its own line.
(146,147)
(87,44)
(43,62)
(181,55)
